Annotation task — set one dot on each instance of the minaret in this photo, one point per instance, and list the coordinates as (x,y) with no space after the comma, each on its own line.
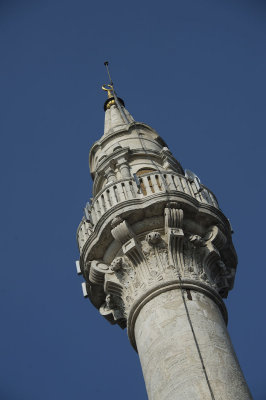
(157,257)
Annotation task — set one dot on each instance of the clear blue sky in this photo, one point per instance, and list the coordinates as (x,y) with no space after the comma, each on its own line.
(195,71)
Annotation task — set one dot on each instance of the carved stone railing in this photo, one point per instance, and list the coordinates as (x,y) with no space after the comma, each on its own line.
(149,185)
(83,232)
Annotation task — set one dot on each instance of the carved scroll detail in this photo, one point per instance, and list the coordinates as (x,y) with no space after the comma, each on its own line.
(156,253)
(97,272)
(175,235)
(132,249)
(214,270)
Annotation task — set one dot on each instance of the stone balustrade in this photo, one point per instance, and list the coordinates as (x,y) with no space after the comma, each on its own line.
(149,185)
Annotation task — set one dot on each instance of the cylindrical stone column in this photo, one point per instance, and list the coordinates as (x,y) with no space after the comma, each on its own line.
(110,175)
(124,168)
(168,353)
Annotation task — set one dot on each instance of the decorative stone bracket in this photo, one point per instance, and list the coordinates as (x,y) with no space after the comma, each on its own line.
(211,246)
(131,248)
(175,235)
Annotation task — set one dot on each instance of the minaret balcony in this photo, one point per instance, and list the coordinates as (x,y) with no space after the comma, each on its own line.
(146,187)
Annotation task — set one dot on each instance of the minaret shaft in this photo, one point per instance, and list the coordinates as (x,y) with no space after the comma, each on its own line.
(169,357)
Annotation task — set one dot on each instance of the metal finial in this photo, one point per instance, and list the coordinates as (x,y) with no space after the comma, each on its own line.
(112,94)
(109,89)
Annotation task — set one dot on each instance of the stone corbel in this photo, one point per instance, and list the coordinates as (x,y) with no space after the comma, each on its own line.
(216,237)
(211,245)
(112,312)
(130,246)
(132,249)
(102,275)
(112,285)
(221,280)
(97,271)
(102,280)
(175,235)
(215,241)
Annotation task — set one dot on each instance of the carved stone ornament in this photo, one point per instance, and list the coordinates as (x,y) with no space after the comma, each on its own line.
(144,263)
(175,235)
(153,238)
(111,310)
(116,264)
(97,272)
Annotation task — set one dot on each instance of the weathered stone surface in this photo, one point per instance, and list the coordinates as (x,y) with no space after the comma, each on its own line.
(170,361)
(149,233)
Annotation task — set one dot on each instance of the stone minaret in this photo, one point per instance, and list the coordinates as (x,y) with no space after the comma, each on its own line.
(157,257)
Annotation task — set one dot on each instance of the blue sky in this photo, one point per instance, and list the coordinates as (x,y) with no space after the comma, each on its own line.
(193,70)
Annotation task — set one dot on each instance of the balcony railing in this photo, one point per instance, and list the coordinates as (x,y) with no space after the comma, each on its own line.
(148,185)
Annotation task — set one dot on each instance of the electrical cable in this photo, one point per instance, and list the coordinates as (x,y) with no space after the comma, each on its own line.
(195,338)
(181,287)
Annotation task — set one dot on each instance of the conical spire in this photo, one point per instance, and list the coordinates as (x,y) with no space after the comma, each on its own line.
(115,113)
